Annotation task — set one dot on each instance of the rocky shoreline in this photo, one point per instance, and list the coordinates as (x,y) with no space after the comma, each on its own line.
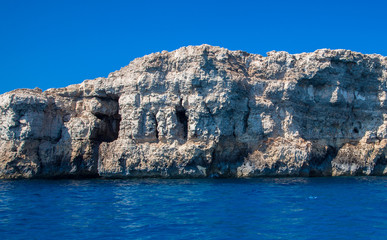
(204,111)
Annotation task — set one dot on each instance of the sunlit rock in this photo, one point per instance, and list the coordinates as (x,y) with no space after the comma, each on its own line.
(204,111)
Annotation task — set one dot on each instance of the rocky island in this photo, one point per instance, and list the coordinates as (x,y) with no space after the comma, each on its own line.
(204,111)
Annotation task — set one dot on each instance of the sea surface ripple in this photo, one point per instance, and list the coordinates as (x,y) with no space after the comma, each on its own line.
(266,208)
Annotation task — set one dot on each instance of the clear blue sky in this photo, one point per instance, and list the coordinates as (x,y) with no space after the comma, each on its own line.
(55,43)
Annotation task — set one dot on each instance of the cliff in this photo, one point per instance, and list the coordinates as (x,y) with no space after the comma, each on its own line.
(204,111)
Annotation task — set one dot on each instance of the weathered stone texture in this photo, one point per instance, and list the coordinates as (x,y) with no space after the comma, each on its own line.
(203,111)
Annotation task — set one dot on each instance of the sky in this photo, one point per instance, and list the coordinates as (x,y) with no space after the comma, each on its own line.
(49,44)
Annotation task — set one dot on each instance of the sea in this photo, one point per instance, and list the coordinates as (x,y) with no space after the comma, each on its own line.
(263,208)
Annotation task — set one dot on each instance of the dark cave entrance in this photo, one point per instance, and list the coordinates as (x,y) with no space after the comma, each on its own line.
(108,128)
(109,125)
(182,118)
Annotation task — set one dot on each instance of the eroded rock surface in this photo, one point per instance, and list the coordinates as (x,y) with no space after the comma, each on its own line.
(203,111)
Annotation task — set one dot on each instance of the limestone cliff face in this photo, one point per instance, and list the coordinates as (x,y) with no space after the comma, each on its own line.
(203,111)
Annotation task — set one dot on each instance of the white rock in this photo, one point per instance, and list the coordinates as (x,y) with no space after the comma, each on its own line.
(205,111)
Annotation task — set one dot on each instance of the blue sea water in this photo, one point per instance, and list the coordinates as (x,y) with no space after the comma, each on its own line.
(267,208)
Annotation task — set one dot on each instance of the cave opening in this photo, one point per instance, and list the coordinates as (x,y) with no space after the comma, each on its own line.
(181,114)
(156,126)
(108,128)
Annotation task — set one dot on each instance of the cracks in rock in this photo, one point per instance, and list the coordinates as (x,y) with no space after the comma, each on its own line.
(156,126)
(156,130)
(246,118)
(208,63)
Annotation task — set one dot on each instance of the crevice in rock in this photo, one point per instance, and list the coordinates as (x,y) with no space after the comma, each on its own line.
(246,119)
(181,114)
(156,127)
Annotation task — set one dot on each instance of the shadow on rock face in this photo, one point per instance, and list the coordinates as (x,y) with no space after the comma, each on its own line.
(339,108)
(182,119)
